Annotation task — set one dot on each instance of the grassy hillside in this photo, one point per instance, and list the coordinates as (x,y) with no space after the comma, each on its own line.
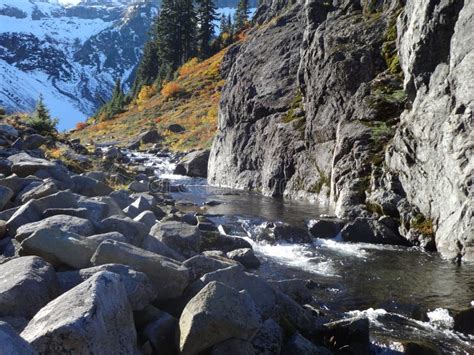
(190,101)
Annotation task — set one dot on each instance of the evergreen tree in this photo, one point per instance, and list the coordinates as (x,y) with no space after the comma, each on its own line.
(41,119)
(206,15)
(115,105)
(224,27)
(148,68)
(242,15)
(230,26)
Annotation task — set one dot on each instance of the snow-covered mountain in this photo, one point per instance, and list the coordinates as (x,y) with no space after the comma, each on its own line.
(70,53)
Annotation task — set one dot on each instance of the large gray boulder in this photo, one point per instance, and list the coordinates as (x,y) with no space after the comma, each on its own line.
(65,223)
(95,317)
(244,256)
(12,344)
(217,313)
(182,237)
(59,247)
(202,264)
(48,187)
(156,246)
(28,213)
(169,276)
(8,131)
(24,164)
(16,184)
(299,345)
(140,291)
(27,284)
(131,229)
(5,196)
(367,230)
(262,293)
(194,164)
(90,187)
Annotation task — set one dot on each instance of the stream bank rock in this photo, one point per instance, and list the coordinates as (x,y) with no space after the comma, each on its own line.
(215,314)
(93,318)
(194,164)
(28,283)
(169,277)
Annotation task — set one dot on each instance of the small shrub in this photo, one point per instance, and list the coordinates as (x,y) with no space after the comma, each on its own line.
(189,67)
(81,125)
(171,90)
(146,92)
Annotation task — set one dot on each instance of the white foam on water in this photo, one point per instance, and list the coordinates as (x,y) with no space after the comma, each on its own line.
(371,314)
(440,317)
(294,255)
(342,248)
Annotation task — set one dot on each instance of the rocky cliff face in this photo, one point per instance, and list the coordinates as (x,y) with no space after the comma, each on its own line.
(339,103)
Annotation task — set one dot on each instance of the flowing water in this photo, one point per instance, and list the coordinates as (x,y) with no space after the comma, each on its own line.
(392,286)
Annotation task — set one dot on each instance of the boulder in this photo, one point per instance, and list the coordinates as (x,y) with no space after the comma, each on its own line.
(176,128)
(132,230)
(293,234)
(194,164)
(181,237)
(65,223)
(148,218)
(118,237)
(48,187)
(351,333)
(162,332)
(5,167)
(12,343)
(16,184)
(269,338)
(464,321)
(150,243)
(202,264)
(28,213)
(5,196)
(169,277)
(73,212)
(113,154)
(62,199)
(59,247)
(325,227)
(367,230)
(297,289)
(33,141)
(221,242)
(264,296)
(217,313)
(122,198)
(97,175)
(8,131)
(139,186)
(95,317)
(28,283)
(24,164)
(140,291)
(90,187)
(244,256)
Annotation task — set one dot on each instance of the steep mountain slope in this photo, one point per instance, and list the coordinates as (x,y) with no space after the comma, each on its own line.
(313,102)
(189,104)
(72,55)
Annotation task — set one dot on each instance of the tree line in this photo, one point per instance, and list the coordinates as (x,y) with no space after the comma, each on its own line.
(183,29)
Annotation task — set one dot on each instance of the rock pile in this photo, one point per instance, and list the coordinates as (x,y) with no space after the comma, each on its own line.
(88,270)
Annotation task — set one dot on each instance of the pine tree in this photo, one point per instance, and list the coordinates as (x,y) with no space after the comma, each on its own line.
(242,15)
(41,119)
(206,15)
(224,25)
